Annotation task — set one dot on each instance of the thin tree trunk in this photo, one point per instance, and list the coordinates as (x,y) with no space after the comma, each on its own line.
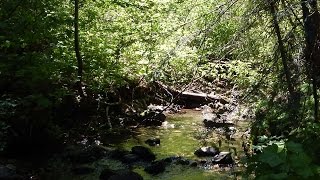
(77,47)
(312,51)
(282,52)
(315,97)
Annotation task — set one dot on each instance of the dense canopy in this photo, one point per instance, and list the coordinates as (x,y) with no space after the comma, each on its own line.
(83,67)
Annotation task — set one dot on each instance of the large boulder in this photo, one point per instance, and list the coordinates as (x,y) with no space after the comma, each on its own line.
(144,153)
(223,158)
(156,167)
(153,141)
(206,151)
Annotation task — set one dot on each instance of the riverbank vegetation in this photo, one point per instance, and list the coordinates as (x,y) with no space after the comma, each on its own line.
(76,68)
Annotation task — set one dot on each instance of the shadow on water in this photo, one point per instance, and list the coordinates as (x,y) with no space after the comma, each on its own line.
(181,135)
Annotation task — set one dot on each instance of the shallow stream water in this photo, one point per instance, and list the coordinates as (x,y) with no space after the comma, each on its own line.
(181,135)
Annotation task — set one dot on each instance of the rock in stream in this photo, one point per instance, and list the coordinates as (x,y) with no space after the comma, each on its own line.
(206,151)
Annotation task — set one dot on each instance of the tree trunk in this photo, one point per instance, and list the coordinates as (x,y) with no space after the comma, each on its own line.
(283,53)
(311,19)
(77,47)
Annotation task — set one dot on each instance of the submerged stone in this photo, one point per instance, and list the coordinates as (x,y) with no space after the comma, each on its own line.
(183,161)
(156,167)
(153,141)
(143,152)
(223,158)
(130,158)
(206,151)
(153,118)
(118,154)
(193,164)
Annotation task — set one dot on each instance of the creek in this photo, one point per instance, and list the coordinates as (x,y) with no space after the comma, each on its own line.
(181,135)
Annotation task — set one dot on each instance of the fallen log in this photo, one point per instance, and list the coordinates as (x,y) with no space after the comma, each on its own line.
(192,99)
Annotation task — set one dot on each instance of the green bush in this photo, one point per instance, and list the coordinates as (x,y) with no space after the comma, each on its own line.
(281,160)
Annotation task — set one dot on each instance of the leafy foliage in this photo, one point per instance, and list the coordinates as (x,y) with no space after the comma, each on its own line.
(174,41)
(282,160)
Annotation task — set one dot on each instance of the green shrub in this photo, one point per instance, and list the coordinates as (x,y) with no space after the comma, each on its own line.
(281,159)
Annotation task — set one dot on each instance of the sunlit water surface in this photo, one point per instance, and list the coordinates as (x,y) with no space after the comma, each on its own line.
(181,136)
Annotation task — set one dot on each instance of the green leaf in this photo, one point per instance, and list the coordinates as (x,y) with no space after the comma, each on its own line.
(294,147)
(262,139)
(270,156)
(299,160)
(305,172)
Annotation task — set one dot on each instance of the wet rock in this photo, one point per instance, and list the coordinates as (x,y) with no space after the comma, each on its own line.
(202,162)
(82,170)
(183,161)
(125,175)
(118,154)
(172,159)
(152,118)
(168,159)
(143,152)
(156,167)
(153,141)
(223,158)
(106,174)
(86,154)
(206,151)
(193,164)
(177,160)
(130,158)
